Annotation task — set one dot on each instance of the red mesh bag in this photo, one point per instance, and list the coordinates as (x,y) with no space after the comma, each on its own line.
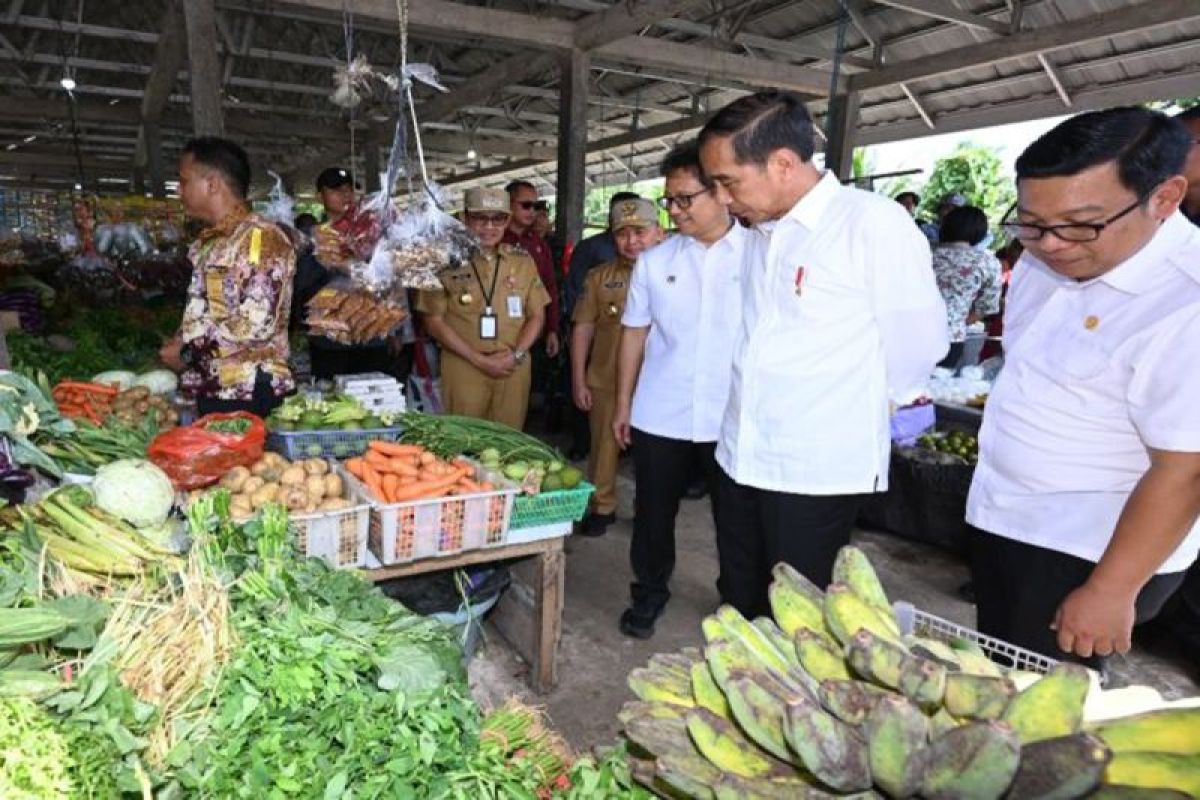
(198,455)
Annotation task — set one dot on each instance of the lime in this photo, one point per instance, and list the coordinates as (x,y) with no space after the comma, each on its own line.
(516,470)
(570,477)
(552,483)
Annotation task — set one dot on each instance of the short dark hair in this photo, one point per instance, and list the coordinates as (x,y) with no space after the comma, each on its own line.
(964,224)
(1148,147)
(224,156)
(619,196)
(761,123)
(1189,114)
(916,198)
(520,183)
(685,157)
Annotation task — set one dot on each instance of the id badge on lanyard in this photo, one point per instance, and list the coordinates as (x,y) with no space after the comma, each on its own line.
(488,328)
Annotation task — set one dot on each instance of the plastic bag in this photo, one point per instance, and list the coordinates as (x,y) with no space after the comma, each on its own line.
(420,242)
(347,314)
(198,455)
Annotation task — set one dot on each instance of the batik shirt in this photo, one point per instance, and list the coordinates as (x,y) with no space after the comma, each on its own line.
(969,280)
(236,319)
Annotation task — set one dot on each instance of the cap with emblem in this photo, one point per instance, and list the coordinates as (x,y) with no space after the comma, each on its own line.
(486,200)
(334,178)
(639,213)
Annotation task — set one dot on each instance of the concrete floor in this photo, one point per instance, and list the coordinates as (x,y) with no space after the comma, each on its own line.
(594,658)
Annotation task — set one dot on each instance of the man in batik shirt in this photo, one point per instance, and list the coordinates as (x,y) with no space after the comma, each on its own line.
(232,346)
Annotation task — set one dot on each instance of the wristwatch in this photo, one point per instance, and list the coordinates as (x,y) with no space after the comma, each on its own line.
(519,356)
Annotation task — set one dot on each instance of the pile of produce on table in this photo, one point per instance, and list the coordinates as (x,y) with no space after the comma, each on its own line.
(960,444)
(519,456)
(94,340)
(335,412)
(400,473)
(302,487)
(829,699)
(243,670)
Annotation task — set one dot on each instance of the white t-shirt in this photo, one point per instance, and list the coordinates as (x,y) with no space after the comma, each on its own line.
(840,312)
(1094,374)
(689,295)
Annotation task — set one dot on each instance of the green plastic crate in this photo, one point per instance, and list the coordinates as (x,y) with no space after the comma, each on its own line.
(339,444)
(564,505)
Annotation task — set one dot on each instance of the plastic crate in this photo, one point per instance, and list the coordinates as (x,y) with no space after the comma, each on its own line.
(564,505)
(296,445)
(914,621)
(402,532)
(339,537)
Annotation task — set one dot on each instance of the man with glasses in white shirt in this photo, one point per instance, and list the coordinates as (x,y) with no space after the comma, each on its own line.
(673,370)
(1087,490)
(840,315)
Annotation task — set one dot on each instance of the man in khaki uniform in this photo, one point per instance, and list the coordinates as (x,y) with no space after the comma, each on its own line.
(594,342)
(488,315)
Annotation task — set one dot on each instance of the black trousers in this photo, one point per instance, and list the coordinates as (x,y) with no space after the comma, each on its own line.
(953,356)
(261,403)
(1019,587)
(663,469)
(1181,616)
(757,528)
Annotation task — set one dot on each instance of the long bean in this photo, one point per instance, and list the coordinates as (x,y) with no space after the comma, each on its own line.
(450,435)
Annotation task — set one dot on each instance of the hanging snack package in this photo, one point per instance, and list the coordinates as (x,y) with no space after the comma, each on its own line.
(197,455)
(349,314)
(427,241)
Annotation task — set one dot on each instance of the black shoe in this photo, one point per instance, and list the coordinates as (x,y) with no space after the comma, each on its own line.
(638,621)
(696,491)
(596,524)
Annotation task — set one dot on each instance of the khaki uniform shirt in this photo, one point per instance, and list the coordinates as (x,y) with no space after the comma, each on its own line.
(602,304)
(461,303)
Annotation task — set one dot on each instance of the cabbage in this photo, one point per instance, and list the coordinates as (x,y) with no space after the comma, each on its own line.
(158,381)
(122,379)
(134,490)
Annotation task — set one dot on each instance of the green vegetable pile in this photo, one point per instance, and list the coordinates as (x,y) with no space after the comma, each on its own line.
(101,339)
(33,754)
(337,412)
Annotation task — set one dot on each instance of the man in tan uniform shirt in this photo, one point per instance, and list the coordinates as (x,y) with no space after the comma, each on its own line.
(594,342)
(487,316)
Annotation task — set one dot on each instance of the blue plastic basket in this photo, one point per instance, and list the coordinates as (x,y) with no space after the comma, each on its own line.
(338,444)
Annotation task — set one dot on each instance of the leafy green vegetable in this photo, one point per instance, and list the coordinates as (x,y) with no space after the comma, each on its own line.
(25,410)
(34,754)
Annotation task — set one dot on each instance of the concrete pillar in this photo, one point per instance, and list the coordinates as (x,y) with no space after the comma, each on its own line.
(840,125)
(572,145)
(204,68)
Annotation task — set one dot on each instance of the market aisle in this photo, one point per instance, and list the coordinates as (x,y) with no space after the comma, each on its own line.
(595,658)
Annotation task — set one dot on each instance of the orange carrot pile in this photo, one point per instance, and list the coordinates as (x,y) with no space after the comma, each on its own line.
(400,473)
(92,401)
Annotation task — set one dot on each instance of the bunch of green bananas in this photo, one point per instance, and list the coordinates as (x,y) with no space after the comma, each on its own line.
(829,699)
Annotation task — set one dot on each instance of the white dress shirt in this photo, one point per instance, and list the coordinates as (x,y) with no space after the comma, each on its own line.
(689,296)
(1094,374)
(840,312)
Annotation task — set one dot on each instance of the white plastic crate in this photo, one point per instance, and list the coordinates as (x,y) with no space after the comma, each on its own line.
(339,537)
(402,532)
(912,620)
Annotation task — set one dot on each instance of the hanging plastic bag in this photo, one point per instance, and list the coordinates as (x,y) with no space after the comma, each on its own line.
(349,314)
(198,455)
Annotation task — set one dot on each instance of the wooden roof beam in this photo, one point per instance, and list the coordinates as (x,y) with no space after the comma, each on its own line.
(945,10)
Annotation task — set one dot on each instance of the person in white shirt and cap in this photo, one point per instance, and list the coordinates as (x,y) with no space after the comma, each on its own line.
(841,317)
(1087,490)
(673,370)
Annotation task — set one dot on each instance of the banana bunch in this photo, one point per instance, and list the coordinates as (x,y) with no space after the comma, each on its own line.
(831,699)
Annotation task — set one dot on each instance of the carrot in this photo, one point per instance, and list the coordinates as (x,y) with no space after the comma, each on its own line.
(374,481)
(428,458)
(422,489)
(393,449)
(379,461)
(390,484)
(486,486)
(408,480)
(355,466)
(468,486)
(402,466)
(91,388)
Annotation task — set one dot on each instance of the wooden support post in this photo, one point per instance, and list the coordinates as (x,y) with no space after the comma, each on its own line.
(152,137)
(840,124)
(204,67)
(572,145)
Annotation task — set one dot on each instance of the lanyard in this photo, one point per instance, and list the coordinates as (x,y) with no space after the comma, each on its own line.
(488,294)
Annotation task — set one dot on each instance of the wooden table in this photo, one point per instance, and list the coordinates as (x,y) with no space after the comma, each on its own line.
(548,592)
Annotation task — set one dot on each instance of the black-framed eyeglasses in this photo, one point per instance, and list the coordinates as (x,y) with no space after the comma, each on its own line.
(1069,232)
(684,201)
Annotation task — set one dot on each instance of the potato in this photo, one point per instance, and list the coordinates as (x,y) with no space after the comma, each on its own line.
(267,494)
(333,485)
(260,466)
(295,498)
(334,504)
(277,461)
(292,476)
(235,479)
(240,507)
(253,484)
(316,466)
(310,506)
(315,486)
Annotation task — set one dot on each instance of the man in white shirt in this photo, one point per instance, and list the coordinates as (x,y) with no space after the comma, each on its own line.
(1088,484)
(677,349)
(840,316)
